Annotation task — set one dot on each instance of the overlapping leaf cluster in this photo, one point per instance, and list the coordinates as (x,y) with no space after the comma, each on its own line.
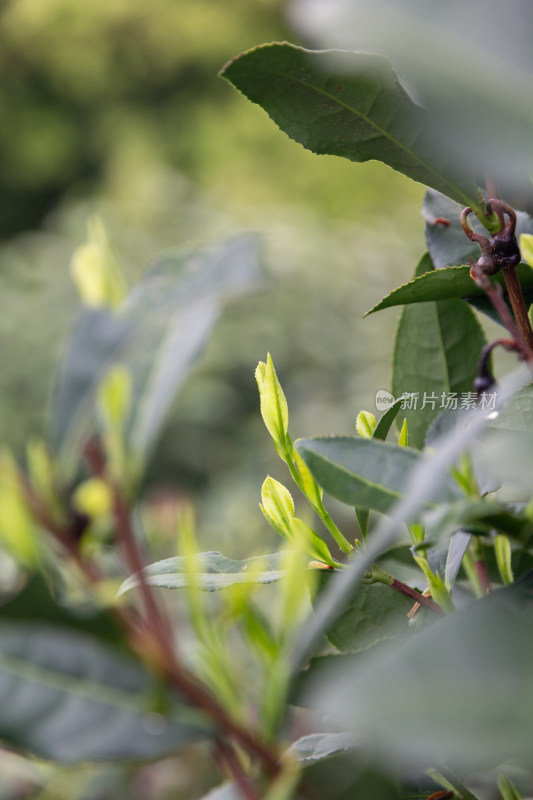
(418,652)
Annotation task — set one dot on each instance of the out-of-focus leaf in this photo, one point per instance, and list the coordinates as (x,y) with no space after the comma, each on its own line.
(443,694)
(507,788)
(228,791)
(70,698)
(95,270)
(348,104)
(95,344)
(365,424)
(436,357)
(363,516)
(212,572)
(34,604)
(375,613)
(363,472)
(18,530)
(156,333)
(445,559)
(319,746)
(518,413)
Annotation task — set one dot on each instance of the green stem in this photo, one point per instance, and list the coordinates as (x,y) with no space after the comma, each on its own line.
(446,778)
(319,508)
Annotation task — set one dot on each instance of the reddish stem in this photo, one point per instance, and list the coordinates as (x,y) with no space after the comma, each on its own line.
(483,575)
(417,596)
(229,762)
(518,304)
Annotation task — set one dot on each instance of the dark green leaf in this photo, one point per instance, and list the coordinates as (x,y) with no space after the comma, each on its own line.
(380,433)
(157,333)
(212,571)
(362,472)
(348,104)
(460,691)
(68,697)
(436,357)
(375,613)
(431,472)
(319,746)
(446,283)
(384,424)
(34,604)
(362,515)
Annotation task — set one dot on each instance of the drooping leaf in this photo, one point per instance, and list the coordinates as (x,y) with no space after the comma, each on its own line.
(436,357)
(348,104)
(70,698)
(213,572)
(443,694)
(374,614)
(157,332)
(319,746)
(362,472)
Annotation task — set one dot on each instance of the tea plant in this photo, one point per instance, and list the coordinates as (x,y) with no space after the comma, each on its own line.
(411,676)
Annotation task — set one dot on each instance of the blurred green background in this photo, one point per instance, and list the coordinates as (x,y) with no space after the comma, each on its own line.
(114,107)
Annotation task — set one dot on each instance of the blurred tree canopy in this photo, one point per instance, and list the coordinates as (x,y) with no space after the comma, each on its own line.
(84,82)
